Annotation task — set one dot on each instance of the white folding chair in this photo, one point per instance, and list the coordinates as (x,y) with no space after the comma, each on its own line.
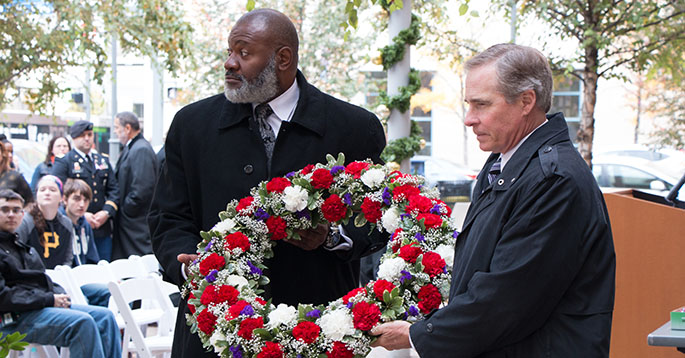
(62,276)
(37,350)
(150,263)
(135,289)
(123,269)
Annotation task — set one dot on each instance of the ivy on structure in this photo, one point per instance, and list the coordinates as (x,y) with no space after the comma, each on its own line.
(392,54)
(403,148)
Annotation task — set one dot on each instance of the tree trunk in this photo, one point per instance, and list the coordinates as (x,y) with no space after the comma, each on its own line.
(586,132)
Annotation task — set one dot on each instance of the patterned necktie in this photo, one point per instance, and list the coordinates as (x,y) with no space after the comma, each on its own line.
(262,112)
(495,170)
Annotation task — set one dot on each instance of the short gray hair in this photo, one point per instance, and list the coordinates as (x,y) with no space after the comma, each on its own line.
(519,68)
(129,118)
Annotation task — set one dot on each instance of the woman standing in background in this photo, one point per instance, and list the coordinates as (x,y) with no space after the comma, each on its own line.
(57,148)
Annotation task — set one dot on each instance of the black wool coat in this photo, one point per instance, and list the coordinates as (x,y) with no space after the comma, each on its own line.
(136,173)
(534,266)
(213,155)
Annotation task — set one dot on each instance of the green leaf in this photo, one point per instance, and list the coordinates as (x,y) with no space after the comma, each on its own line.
(463,8)
(360,220)
(341,159)
(264,333)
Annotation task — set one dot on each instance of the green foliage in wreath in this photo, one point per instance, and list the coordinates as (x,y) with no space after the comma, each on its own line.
(402,101)
(394,53)
(403,148)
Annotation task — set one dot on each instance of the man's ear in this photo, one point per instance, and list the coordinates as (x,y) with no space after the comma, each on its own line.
(528,100)
(284,58)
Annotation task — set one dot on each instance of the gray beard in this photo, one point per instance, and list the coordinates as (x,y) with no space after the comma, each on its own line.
(259,90)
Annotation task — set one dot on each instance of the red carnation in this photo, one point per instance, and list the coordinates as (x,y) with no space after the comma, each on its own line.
(433,264)
(447,208)
(237,239)
(206,321)
(219,294)
(212,262)
(334,209)
(248,325)
(308,169)
(355,168)
(380,286)
(244,203)
(271,350)
(276,226)
(405,191)
(306,331)
(260,300)
(352,293)
(365,315)
(397,233)
(191,307)
(340,350)
(429,298)
(322,179)
(409,253)
(419,204)
(277,185)
(372,210)
(430,220)
(234,310)
(395,175)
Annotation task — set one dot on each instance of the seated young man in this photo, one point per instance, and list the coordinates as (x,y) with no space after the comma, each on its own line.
(76,198)
(30,303)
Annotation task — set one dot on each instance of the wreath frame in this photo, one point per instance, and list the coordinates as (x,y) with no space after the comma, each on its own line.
(223,286)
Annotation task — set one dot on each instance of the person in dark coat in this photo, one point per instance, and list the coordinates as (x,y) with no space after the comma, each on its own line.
(136,174)
(83,163)
(534,266)
(57,148)
(10,178)
(215,152)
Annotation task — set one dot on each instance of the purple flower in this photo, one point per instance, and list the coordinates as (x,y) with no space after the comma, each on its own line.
(313,314)
(261,214)
(404,216)
(387,196)
(413,311)
(304,213)
(337,169)
(455,234)
(254,269)
(290,175)
(436,209)
(419,237)
(247,311)
(209,245)
(406,275)
(347,199)
(237,351)
(211,277)
(350,305)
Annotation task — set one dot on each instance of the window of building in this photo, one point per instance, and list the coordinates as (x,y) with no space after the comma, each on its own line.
(567,98)
(138,109)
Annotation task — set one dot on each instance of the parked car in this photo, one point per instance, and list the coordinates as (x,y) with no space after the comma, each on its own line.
(454,181)
(27,156)
(624,171)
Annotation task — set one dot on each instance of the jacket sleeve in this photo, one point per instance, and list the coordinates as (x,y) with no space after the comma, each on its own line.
(112,190)
(142,183)
(536,257)
(172,227)
(20,298)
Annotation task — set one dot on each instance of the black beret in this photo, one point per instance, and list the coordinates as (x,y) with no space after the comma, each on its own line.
(79,127)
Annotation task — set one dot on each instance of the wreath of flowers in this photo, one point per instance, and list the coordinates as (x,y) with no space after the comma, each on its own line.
(223,287)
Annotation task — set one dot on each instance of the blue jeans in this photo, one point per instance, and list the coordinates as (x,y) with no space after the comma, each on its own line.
(97,294)
(88,331)
(104,246)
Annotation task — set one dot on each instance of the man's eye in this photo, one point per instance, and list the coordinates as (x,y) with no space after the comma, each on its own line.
(243,53)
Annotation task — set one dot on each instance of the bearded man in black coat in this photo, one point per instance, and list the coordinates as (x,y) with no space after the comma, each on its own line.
(216,151)
(534,266)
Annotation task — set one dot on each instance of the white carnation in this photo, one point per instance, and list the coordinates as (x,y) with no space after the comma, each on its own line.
(447,253)
(373,178)
(391,220)
(283,314)
(216,337)
(336,324)
(224,226)
(295,198)
(236,281)
(390,269)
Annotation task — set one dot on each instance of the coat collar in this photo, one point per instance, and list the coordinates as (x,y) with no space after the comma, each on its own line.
(309,113)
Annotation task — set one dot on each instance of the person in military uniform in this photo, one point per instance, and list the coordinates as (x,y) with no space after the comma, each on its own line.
(94,168)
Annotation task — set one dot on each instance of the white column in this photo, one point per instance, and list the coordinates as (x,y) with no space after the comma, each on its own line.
(398,76)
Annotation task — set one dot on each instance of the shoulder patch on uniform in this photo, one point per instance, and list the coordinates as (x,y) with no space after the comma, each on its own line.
(549,159)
